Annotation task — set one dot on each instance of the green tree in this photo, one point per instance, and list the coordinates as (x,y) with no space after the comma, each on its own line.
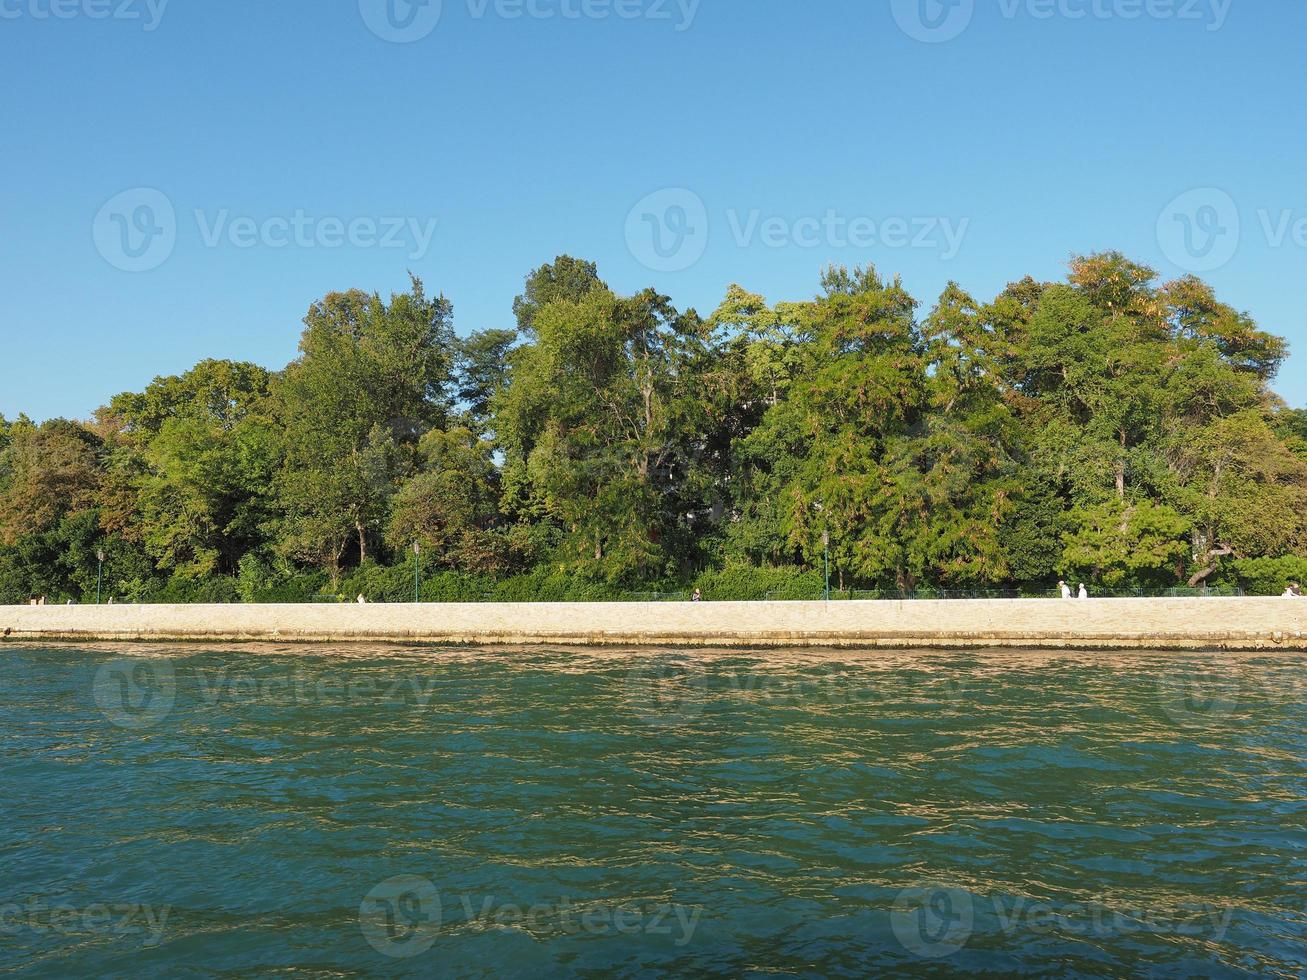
(371,378)
(594,425)
(220,393)
(1243,488)
(50,477)
(565,280)
(1119,543)
(481,365)
(197,453)
(49,471)
(451,506)
(832,456)
(969,445)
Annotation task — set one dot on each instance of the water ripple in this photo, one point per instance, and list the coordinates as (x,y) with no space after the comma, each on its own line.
(597,813)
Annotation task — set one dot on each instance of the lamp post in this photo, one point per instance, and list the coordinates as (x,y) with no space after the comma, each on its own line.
(820,508)
(417,572)
(825,543)
(99,575)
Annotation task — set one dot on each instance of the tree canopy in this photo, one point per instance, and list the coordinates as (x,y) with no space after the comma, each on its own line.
(1108,428)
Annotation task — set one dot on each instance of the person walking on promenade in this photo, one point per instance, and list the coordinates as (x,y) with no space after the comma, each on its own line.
(1294,591)
(1084,593)
(1066,590)
(697,597)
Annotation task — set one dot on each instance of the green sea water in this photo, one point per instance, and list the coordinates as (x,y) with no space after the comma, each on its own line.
(342,812)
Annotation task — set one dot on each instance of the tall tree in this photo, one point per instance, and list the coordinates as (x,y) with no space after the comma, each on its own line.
(594,424)
(49,472)
(198,453)
(832,458)
(49,479)
(565,280)
(371,378)
(481,369)
(451,505)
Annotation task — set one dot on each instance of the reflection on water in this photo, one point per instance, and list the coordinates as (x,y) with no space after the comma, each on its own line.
(404,811)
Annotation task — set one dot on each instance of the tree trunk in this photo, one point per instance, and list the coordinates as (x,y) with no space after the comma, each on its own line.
(1120,470)
(333,568)
(363,541)
(1213,563)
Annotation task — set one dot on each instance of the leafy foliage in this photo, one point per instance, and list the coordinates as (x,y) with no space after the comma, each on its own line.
(1107,428)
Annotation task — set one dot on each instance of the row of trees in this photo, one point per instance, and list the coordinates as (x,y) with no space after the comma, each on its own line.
(1105,428)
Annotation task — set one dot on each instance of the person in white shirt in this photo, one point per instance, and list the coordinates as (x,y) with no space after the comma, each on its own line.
(1084,593)
(1066,590)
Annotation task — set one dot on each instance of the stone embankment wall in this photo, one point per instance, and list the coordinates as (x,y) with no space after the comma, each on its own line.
(1216,623)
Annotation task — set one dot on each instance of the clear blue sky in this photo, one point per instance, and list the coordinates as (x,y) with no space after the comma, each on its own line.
(1032,136)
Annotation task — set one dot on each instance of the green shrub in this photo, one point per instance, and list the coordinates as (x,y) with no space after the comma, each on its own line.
(455,587)
(253,577)
(277,581)
(377,583)
(544,585)
(265,579)
(1269,576)
(298,588)
(741,583)
(215,590)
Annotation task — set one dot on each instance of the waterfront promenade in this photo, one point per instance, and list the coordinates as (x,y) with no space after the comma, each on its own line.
(1193,624)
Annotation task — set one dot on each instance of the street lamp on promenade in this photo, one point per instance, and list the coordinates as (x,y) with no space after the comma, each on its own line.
(99,575)
(825,543)
(820,508)
(417,572)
